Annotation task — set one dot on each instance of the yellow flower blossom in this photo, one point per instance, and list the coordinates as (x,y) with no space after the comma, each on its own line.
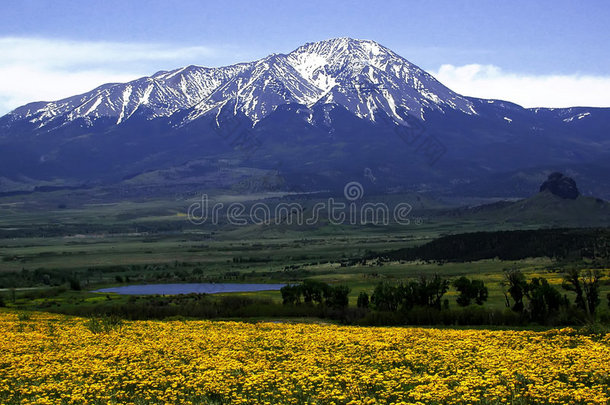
(199,362)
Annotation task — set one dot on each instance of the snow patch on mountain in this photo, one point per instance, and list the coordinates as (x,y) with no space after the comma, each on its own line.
(361,75)
(577,117)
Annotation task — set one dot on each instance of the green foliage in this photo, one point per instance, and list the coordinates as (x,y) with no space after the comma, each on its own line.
(462,316)
(591,280)
(29,278)
(517,288)
(585,284)
(44,293)
(74,284)
(282,257)
(463,286)
(470,290)
(291,294)
(337,296)
(104,324)
(316,292)
(544,299)
(571,282)
(363,300)
(203,306)
(511,245)
(313,291)
(425,292)
(385,297)
(480,292)
(595,329)
(429,292)
(24,316)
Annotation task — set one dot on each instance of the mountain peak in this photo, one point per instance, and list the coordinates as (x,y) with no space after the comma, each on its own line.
(328,109)
(362,76)
(342,42)
(345,48)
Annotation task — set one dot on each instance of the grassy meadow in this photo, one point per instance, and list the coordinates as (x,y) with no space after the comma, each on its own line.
(67,239)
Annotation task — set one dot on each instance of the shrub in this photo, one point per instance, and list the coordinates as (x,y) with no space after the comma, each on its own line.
(74,284)
(24,316)
(104,324)
(44,293)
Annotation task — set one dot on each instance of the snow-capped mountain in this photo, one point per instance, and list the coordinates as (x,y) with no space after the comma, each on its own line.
(324,113)
(362,76)
(160,95)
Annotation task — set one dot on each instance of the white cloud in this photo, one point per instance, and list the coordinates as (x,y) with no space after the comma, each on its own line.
(62,53)
(34,69)
(23,84)
(489,81)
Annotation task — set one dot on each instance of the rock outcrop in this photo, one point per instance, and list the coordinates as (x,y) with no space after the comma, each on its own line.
(561,186)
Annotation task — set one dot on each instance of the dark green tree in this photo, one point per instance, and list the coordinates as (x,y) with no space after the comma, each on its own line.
(571,282)
(470,290)
(480,292)
(431,291)
(544,299)
(585,284)
(590,281)
(291,294)
(408,295)
(74,284)
(463,286)
(314,291)
(337,296)
(517,288)
(363,300)
(385,297)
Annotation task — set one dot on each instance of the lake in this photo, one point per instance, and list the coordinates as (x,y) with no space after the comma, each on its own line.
(198,288)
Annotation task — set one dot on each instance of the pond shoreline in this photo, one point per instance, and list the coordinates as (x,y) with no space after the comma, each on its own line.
(189,288)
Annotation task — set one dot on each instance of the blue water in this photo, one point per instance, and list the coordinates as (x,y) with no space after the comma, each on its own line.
(201,288)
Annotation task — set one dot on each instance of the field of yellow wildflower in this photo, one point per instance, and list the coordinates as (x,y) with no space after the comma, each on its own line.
(52,359)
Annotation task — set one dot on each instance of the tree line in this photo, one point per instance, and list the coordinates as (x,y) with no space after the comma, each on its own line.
(316,292)
(511,245)
(422,299)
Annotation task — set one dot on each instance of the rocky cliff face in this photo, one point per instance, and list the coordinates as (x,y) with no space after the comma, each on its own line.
(561,186)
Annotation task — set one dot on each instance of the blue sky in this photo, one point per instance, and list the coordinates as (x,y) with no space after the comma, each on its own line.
(551,53)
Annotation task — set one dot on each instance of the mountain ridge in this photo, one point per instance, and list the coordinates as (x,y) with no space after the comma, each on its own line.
(341,61)
(327,112)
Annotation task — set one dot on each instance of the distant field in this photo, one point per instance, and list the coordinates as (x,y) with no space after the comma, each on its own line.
(150,240)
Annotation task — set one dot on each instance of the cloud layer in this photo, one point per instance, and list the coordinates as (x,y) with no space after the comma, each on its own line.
(33,69)
(488,81)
